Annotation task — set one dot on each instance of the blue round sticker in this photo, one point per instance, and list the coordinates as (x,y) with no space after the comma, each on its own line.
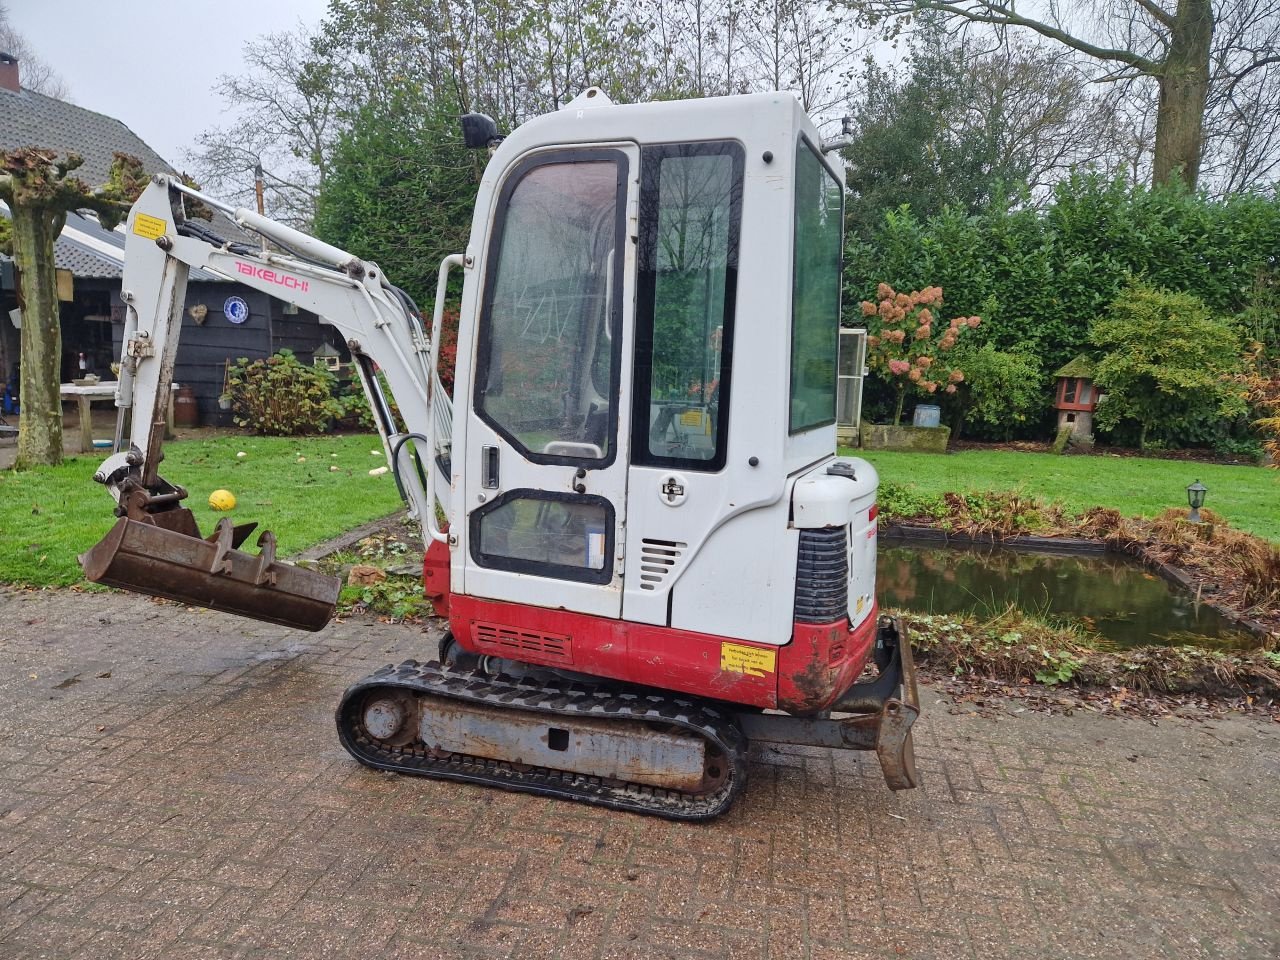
(235,310)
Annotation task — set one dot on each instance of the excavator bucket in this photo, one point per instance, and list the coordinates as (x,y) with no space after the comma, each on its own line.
(173,561)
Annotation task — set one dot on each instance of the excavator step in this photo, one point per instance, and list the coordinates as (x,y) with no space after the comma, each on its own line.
(626,749)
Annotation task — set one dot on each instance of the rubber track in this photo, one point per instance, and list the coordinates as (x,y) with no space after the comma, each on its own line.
(702,719)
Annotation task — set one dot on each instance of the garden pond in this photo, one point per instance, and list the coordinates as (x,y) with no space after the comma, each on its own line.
(1106,594)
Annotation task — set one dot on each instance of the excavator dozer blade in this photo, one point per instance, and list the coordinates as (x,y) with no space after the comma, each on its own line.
(146,558)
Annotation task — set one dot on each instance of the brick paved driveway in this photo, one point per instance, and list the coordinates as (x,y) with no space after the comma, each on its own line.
(171,786)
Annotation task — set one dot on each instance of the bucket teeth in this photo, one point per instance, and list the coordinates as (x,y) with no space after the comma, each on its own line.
(164,556)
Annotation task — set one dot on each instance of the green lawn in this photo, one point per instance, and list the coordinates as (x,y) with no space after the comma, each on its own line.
(1248,497)
(51,514)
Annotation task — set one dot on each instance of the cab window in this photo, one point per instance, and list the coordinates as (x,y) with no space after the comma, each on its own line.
(690,212)
(815,293)
(547,376)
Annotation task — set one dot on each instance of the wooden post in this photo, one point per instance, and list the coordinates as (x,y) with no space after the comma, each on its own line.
(83,403)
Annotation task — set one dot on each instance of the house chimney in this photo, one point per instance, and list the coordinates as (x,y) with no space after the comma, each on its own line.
(9,73)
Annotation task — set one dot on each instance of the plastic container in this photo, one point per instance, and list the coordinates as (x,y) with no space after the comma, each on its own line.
(927,415)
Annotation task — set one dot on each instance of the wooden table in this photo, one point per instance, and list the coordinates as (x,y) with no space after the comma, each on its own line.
(102,390)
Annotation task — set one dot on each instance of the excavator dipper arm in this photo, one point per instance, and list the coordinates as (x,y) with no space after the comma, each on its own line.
(156,547)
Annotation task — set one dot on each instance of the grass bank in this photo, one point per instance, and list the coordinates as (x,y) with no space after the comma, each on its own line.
(48,515)
(1247,497)
(1018,649)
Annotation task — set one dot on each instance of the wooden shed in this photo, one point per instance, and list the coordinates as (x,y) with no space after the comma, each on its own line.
(226,321)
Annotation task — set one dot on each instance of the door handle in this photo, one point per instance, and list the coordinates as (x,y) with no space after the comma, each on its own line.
(489,467)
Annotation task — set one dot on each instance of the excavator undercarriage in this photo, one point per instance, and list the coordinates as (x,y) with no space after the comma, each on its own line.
(611,745)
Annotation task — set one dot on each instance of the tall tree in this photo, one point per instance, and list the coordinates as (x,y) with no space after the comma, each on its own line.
(1169,41)
(400,190)
(965,126)
(40,189)
(804,47)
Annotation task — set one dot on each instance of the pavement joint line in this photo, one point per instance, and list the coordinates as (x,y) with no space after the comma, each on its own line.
(1033,836)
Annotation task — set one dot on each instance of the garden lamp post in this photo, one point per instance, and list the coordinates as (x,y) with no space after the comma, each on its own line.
(1195,497)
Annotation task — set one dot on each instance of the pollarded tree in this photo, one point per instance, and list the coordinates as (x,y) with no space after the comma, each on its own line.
(40,189)
(1166,361)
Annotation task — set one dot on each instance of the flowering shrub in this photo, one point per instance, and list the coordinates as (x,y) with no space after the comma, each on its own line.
(906,342)
(280,396)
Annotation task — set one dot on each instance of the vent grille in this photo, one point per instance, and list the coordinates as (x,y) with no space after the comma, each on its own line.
(506,641)
(657,559)
(822,575)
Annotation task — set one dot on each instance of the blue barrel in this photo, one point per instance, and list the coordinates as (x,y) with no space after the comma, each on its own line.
(927,415)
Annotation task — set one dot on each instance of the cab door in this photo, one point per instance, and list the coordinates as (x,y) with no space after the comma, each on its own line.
(546,438)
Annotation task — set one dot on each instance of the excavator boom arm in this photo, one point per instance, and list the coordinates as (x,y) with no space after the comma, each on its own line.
(380,326)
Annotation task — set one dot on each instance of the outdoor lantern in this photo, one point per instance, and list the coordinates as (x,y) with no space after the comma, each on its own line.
(1195,497)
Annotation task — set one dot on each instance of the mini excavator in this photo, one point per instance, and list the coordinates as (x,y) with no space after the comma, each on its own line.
(647,551)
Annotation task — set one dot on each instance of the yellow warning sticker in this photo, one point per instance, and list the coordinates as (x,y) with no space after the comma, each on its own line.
(753,661)
(691,418)
(148,226)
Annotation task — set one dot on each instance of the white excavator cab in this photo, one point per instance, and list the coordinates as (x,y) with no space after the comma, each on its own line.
(653,311)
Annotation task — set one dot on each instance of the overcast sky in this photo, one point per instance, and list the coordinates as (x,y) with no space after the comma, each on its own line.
(152,63)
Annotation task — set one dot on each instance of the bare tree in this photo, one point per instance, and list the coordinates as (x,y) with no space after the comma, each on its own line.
(1242,120)
(693,47)
(284,119)
(805,47)
(1034,106)
(37,75)
(1170,41)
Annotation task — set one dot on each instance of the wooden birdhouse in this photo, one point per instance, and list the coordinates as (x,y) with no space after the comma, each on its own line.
(326,356)
(1076,398)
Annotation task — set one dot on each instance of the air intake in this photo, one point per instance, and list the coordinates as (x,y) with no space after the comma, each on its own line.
(822,575)
(657,559)
(504,641)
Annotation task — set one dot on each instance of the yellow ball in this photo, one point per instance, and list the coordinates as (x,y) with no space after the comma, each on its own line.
(222,500)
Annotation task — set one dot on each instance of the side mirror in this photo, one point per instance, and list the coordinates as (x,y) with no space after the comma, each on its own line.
(479,132)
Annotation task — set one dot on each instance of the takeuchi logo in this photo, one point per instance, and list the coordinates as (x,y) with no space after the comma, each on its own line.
(271,276)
